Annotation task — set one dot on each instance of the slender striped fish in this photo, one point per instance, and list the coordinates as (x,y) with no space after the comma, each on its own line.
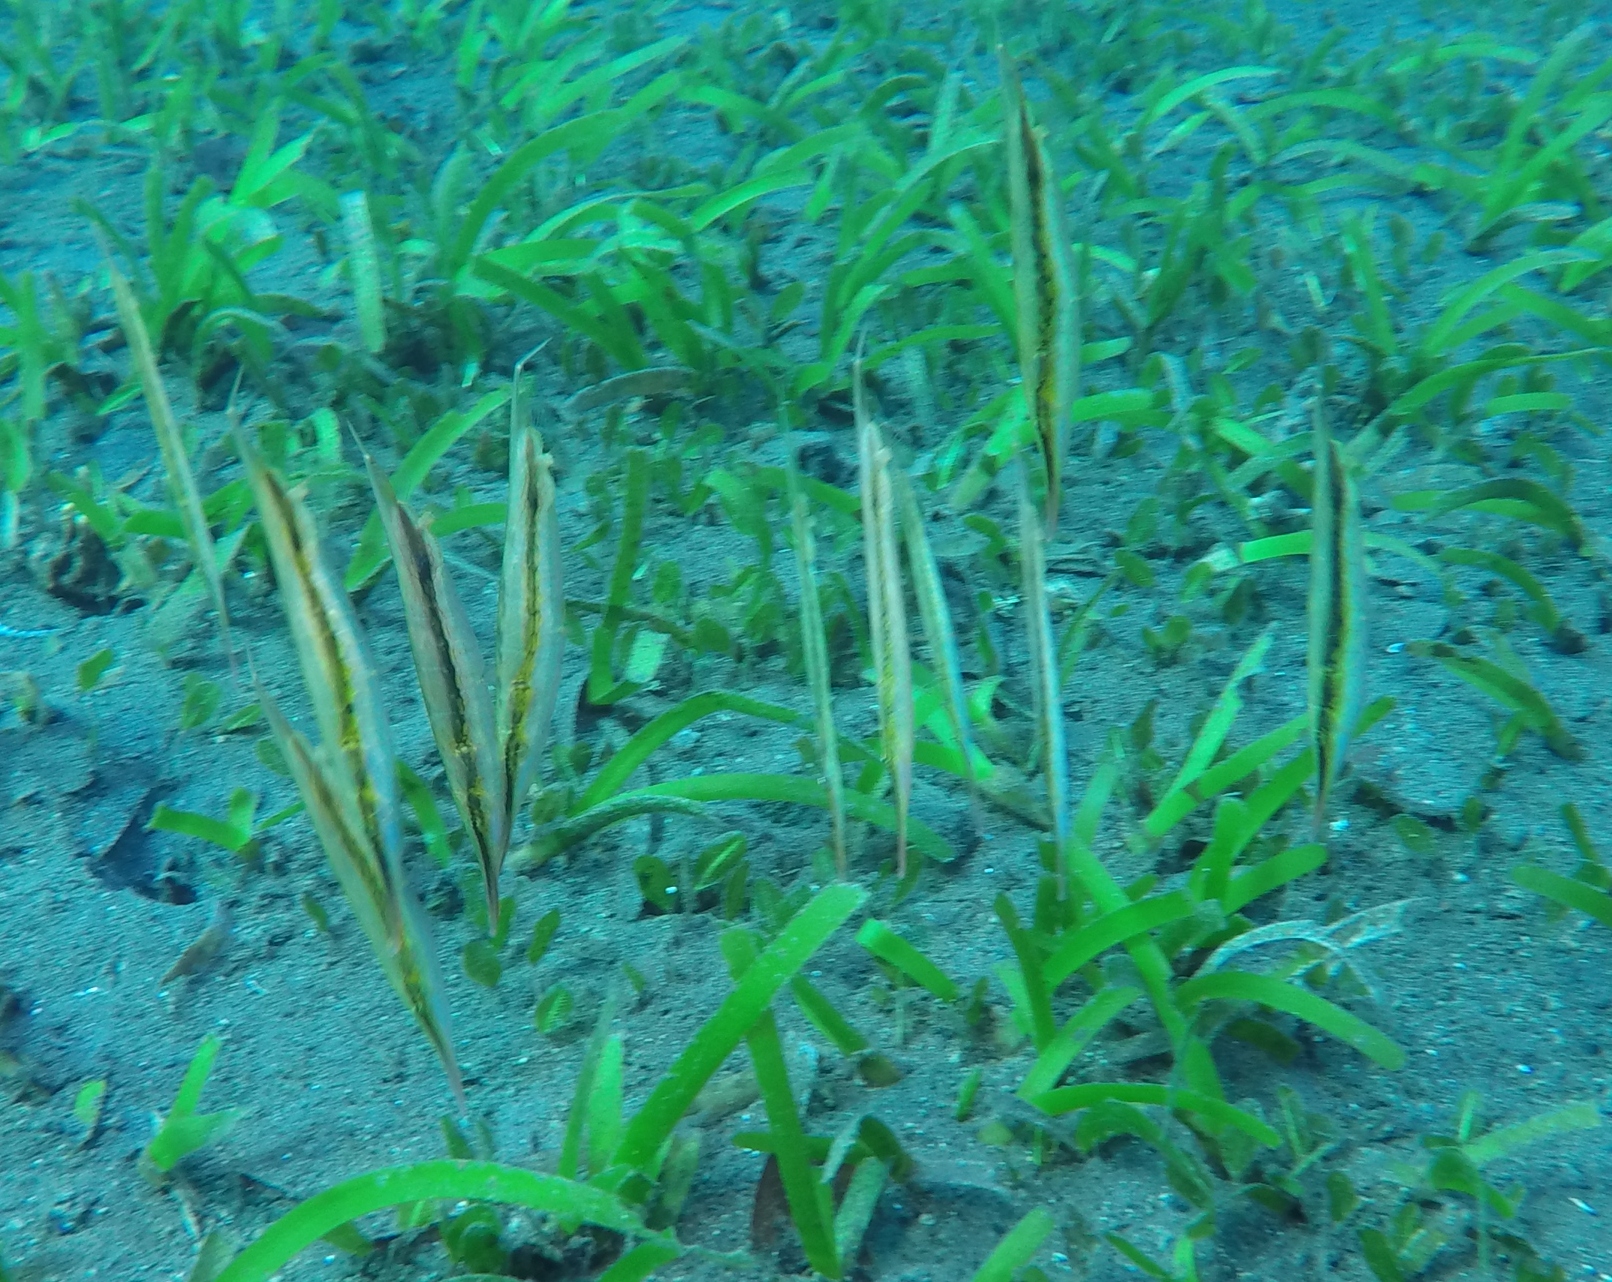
(814,644)
(391,921)
(1044,286)
(531,610)
(453,683)
(1337,613)
(887,618)
(349,780)
(938,628)
(171,442)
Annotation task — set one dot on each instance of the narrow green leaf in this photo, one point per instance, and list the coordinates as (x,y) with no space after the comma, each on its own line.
(826,1017)
(582,132)
(94,668)
(446,432)
(217,832)
(1437,341)
(621,344)
(427,814)
(1567,891)
(196,1075)
(1299,1002)
(1037,991)
(1504,567)
(746,193)
(183,1130)
(805,933)
(1266,876)
(1177,804)
(576,1118)
(810,1203)
(1516,497)
(1217,725)
(1018,1248)
(1069,1099)
(1528,403)
(311,1220)
(604,1105)
(890,947)
(1096,937)
(1190,89)
(642,1261)
(1507,689)
(182,1136)
(801,792)
(602,686)
(1508,1139)
(613,776)
(1076,1034)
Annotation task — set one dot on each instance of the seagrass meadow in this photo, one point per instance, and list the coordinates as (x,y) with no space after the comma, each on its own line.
(692,639)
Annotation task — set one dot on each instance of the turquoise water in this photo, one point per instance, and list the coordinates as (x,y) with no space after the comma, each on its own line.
(1104,990)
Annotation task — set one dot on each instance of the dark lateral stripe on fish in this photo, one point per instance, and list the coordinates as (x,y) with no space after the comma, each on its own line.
(1337,605)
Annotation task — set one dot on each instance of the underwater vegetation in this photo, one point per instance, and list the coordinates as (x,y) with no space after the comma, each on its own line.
(1035,547)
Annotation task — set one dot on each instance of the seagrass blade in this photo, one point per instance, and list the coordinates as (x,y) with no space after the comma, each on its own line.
(1044,676)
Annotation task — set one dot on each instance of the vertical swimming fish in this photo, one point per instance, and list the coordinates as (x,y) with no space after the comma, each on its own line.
(815,646)
(363,270)
(887,619)
(531,610)
(386,912)
(348,782)
(938,629)
(1337,609)
(181,480)
(1044,286)
(453,683)
(336,668)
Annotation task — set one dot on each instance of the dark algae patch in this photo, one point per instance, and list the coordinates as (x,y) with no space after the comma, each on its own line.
(908,643)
